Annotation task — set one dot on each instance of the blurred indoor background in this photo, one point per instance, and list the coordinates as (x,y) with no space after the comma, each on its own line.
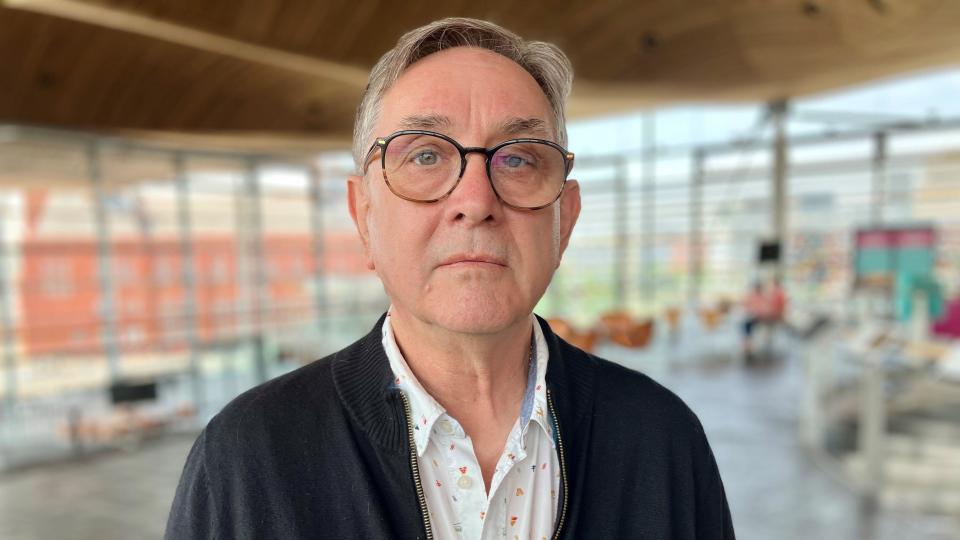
(173,231)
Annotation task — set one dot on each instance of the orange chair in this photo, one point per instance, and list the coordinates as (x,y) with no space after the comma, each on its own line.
(710,317)
(672,314)
(619,327)
(582,340)
(637,336)
(560,327)
(614,322)
(586,341)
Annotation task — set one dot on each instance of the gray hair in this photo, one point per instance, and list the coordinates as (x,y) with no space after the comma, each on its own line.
(545,62)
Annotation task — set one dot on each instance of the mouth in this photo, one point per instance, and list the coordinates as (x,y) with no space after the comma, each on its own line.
(474,260)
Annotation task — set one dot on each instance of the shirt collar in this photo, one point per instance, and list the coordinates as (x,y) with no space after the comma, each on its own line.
(538,411)
(425,410)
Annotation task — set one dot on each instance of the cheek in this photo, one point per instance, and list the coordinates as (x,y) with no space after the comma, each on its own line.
(550,235)
(397,241)
(385,242)
(541,246)
(556,232)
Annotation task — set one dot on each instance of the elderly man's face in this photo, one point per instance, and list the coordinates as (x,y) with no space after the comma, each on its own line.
(468,263)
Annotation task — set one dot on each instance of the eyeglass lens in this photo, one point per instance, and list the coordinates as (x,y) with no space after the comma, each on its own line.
(425,167)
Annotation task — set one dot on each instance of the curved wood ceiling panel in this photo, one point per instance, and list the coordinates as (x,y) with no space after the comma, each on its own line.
(295,68)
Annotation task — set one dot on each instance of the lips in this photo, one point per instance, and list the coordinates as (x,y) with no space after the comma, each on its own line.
(472,258)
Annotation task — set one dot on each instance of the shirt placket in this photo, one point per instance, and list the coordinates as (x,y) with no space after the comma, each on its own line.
(467,495)
(498,502)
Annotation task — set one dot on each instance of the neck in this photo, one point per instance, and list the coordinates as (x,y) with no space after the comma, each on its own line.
(468,374)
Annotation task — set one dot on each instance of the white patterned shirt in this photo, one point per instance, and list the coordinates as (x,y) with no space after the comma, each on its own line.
(522,500)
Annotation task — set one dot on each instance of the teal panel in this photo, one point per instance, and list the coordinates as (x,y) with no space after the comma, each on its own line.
(874,260)
(915,261)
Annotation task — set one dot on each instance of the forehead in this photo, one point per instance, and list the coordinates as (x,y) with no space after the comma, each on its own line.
(466,91)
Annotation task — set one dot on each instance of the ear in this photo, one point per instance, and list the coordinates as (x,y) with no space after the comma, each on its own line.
(569,213)
(358,201)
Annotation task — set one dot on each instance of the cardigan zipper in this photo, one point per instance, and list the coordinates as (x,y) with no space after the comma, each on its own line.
(415,468)
(563,468)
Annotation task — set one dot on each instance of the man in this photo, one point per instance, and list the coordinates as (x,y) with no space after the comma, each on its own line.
(460,415)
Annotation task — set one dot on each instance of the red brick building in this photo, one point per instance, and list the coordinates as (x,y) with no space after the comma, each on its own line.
(61,306)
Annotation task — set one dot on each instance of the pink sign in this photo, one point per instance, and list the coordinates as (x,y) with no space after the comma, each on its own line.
(896,238)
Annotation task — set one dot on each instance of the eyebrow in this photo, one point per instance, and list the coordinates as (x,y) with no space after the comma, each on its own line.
(425,121)
(511,127)
(524,126)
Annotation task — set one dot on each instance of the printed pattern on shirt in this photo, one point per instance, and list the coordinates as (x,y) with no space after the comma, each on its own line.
(522,499)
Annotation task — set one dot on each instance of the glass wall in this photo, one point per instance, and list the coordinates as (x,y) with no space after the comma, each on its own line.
(205,272)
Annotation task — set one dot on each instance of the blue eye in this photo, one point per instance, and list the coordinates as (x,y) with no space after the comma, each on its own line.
(514,161)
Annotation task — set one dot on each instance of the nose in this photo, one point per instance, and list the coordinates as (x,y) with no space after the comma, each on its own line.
(474,201)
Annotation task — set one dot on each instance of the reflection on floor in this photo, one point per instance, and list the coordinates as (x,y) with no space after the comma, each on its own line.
(750,415)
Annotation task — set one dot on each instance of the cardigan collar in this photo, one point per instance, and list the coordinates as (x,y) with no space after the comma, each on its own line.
(365,385)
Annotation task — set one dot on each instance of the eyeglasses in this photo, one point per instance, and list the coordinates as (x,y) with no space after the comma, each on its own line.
(424,166)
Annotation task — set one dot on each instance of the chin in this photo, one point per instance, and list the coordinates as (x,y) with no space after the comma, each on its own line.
(482,313)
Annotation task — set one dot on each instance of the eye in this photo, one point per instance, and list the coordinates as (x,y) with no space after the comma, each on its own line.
(425,157)
(514,161)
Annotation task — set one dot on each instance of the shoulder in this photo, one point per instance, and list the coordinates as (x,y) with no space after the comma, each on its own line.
(620,398)
(635,407)
(309,389)
(647,444)
(283,404)
(638,393)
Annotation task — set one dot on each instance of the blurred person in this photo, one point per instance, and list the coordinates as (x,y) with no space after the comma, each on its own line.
(777,300)
(763,306)
(461,414)
(757,309)
(948,325)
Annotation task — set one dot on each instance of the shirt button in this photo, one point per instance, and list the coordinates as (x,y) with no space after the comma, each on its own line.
(465,482)
(446,427)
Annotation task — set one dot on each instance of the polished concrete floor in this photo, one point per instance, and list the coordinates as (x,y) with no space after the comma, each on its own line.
(750,415)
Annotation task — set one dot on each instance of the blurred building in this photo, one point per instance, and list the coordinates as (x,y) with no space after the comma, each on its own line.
(59,299)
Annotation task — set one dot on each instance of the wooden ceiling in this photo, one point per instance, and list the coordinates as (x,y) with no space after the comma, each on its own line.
(291,71)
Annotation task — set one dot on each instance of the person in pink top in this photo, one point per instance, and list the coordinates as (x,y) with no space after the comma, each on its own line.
(766,307)
(948,325)
(756,306)
(777,300)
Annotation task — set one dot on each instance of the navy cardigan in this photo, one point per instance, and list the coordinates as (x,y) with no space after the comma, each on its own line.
(322,452)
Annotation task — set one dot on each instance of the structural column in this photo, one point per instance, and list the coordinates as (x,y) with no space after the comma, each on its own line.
(695,247)
(107,304)
(879,195)
(6,324)
(648,270)
(778,116)
(243,325)
(259,285)
(319,259)
(188,277)
(621,257)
